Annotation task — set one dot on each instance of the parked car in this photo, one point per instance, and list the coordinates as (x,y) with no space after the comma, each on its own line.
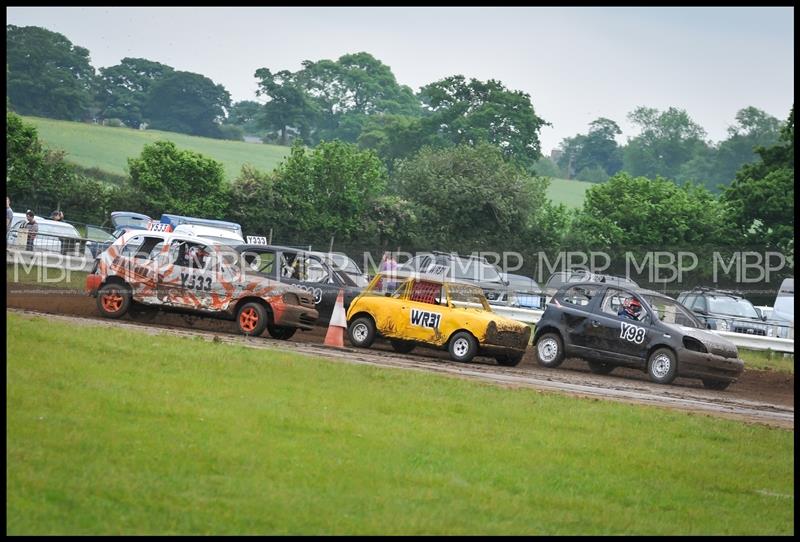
(185,272)
(471,269)
(53,236)
(524,290)
(783,308)
(601,323)
(122,222)
(420,309)
(307,270)
(344,263)
(724,310)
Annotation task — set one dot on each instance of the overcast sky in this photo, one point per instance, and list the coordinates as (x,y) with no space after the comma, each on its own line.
(577,64)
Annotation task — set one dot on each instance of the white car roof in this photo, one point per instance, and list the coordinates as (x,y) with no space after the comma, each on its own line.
(45,222)
(209,231)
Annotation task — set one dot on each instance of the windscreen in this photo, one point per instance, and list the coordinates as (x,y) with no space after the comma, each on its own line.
(731,306)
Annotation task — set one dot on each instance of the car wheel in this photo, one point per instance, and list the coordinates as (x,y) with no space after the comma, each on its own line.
(715,384)
(601,368)
(252,319)
(662,367)
(113,300)
(550,350)
(280,332)
(509,360)
(462,347)
(361,332)
(402,347)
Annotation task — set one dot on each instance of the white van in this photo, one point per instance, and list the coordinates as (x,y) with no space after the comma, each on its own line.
(783,309)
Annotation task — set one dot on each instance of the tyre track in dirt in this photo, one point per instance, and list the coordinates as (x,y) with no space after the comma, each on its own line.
(575,382)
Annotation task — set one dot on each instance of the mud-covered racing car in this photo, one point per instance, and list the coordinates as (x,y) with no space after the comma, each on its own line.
(190,273)
(611,326)
(413,309)
(309,271)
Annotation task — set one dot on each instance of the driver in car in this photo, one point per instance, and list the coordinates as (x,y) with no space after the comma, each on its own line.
(631,308)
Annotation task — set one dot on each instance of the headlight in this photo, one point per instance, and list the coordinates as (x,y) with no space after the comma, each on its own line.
(770,332)
(722,325)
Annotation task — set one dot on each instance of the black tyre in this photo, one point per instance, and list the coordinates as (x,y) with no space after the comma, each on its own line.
(715,384)
(462,347)
(550,350)
(252,319)
(662,366)
(402,347)
(280,332)
(509,360)
(361,332)
(600,367)
(113,300)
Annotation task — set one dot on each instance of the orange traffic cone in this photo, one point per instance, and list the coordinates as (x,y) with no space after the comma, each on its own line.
(338,323)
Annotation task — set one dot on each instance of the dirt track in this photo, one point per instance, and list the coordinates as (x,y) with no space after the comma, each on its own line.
(759,396)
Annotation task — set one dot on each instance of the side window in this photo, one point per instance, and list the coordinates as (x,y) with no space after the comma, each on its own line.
(260,262)
(141,246)
(189,254)
(315,272)
(132,247)
(700,304)
(426,292)
(579,295)
(688,300)
(612,302)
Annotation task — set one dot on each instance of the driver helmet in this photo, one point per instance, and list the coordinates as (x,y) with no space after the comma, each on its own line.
(632,307)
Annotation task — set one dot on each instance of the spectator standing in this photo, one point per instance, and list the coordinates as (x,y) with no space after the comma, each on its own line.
(9,214)
(33,228)
(388,263)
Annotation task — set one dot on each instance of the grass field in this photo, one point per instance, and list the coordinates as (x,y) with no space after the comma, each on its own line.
(92,145)
(106,148)
(114,431)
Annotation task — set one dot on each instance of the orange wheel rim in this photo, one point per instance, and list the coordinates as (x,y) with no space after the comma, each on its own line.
(248,320)
(112,302)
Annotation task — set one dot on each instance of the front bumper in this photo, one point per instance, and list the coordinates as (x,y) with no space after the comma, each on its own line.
(286,315)
(699,365)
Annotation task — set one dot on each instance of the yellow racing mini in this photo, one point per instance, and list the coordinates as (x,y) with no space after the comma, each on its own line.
(415,309)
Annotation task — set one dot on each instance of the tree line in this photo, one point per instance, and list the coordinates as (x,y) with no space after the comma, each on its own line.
(463,198)
(357,99)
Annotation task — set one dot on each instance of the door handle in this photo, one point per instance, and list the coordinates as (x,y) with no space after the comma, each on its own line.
(595,323)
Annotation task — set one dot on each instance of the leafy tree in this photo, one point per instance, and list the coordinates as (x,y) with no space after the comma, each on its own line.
(469,112)
(288,105)
(247,115)
(170,180)
(124,88)
(47,75)
(350,90)
(328,191)
(761,198)
(596,155)
(468,198)
(394,136)
(34,175)
(651,214)
(667,140)
(188,103)
(754,128)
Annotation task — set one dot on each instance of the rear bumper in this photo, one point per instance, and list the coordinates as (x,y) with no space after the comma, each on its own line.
(698,365)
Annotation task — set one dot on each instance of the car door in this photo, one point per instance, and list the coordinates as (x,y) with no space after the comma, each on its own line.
(576,305)
(312,274)
(422,310)
(618,337)
(186,275)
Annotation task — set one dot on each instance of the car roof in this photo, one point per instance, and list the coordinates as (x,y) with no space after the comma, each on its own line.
(200,230)
(47,222)
(255,247)
(634,289)
(167,236)
(402,275)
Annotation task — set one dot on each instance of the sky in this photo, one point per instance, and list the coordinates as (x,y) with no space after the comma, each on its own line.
(577,64)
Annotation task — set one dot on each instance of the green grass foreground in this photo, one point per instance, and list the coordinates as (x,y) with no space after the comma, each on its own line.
(114,431)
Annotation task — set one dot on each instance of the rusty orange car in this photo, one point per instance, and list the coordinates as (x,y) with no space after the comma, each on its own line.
(428,310)
(186,272)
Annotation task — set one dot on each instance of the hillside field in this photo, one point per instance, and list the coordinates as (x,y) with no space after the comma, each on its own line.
(106,148)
